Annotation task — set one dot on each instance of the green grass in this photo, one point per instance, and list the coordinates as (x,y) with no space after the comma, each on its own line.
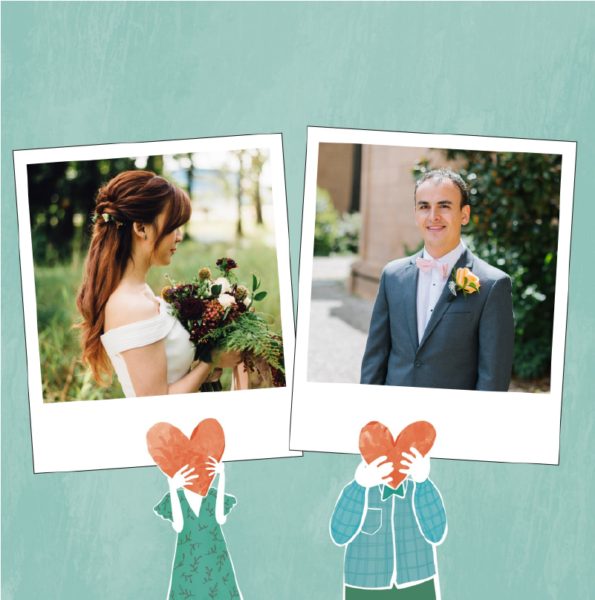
(64,378)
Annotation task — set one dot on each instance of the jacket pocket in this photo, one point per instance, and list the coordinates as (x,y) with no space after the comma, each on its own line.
(373,521)
(455,317)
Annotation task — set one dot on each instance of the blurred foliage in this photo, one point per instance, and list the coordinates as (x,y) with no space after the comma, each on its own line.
(415,250)
(62,195)
(515,207)
(334,233)
(61,198)
(63,376)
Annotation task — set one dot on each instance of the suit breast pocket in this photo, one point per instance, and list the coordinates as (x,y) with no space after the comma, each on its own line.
(373,521)
(457,317)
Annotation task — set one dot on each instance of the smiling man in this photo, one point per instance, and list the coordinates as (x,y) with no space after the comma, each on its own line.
(443,318)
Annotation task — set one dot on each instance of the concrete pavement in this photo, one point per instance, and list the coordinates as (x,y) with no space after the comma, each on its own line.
(339,324)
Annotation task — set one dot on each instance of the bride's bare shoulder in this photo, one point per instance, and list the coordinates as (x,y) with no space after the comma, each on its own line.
(126,306)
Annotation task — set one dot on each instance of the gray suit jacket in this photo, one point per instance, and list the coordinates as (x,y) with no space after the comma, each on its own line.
(468,343)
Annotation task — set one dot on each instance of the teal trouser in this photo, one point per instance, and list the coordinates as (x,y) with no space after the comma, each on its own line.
(422,591)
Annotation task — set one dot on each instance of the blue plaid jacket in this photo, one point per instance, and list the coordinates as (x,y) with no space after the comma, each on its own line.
(393,543)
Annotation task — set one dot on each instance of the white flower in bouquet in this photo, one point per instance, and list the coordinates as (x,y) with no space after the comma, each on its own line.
(247,301)
(226,300)
(223,283)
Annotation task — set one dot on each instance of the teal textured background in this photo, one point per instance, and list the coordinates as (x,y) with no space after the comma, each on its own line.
(91,73)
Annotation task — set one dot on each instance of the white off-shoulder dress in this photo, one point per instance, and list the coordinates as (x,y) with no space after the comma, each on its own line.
(179,350)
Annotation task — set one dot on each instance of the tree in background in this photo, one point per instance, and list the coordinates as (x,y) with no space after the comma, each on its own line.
(240,154)
(186,164)
(515,207)
(251,163)
(258,159)
(62,195)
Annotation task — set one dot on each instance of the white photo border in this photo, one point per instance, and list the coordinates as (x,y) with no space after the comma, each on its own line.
(471,425)
(111,434)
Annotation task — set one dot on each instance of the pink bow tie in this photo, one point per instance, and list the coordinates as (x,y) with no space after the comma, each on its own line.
(425,266)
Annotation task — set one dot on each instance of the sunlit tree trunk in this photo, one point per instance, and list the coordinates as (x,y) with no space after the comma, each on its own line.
(258,161)
(185,231)
(257,203)
(239,227)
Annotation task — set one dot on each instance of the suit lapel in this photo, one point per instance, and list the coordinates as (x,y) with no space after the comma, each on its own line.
(410,284)
(465,260)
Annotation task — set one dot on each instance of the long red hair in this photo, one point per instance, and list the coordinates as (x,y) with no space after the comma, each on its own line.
(131,197)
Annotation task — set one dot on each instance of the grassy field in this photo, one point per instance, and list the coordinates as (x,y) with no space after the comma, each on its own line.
(63,376)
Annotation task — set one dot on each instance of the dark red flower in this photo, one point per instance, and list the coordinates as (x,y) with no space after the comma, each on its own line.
(192,308)
(230,263)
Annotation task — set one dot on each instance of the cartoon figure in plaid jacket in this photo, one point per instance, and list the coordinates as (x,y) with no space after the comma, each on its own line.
(390,535)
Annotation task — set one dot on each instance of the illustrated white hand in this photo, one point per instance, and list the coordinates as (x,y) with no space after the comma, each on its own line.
(374,474)
(215,467)
(182,478)
(418,466)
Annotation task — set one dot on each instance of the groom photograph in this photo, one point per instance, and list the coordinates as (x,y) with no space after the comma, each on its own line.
(434,268)
(443,317)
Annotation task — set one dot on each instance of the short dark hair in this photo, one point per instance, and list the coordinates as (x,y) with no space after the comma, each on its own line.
(441,175)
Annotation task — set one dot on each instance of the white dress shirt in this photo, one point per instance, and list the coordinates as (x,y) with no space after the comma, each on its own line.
(430,286)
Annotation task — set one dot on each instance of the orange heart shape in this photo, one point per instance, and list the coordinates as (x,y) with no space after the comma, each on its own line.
(171,450)
(376,440)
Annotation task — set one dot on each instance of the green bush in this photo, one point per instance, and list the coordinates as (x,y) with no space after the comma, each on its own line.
(515,207)
(334,233)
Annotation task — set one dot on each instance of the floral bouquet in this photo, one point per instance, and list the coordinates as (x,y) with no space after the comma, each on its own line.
(218,316)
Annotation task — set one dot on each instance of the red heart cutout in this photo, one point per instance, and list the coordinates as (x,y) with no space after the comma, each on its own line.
(171,450)
(375,440)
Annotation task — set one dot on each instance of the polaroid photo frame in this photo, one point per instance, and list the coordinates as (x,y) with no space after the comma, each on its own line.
(109,434)
(471,425)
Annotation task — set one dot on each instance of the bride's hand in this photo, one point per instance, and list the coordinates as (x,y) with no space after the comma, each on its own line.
(227,360)
(214,376)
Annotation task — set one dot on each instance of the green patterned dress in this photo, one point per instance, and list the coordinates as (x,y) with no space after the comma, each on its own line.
(202,568)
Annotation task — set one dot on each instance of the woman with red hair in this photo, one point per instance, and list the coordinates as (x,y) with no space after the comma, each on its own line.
(138,216)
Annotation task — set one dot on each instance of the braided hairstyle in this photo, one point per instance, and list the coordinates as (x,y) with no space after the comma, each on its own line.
(131,197)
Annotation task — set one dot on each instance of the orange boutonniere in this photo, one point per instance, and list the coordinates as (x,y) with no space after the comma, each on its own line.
(464,281)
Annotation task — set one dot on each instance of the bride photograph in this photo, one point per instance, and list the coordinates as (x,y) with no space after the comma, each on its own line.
(155,275)
(156,287)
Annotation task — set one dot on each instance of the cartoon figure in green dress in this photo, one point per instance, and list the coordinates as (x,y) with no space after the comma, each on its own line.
(202,568)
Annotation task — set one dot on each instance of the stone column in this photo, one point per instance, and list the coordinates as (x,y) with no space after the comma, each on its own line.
(388,221)
(335,173)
